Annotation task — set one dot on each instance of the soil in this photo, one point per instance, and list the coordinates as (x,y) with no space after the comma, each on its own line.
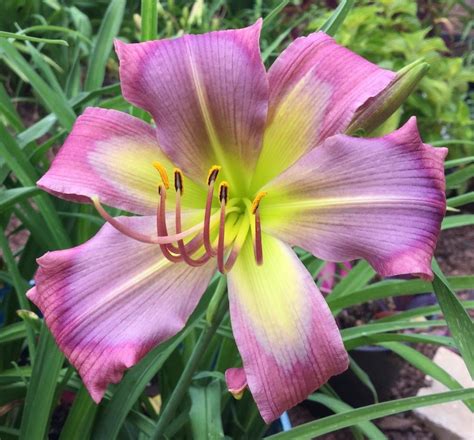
(455,254)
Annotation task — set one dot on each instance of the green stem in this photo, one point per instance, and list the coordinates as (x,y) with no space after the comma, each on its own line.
(149,14)
(188,372)
(20,286)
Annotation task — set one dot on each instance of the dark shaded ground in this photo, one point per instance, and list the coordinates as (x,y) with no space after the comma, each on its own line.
(455,254)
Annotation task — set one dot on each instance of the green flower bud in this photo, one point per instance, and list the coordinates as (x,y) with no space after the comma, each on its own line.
(30,318)
(379,108)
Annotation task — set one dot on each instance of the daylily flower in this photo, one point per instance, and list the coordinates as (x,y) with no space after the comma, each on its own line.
(242,165)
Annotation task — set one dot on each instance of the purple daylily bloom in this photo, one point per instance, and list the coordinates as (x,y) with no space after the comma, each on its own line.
(291,178)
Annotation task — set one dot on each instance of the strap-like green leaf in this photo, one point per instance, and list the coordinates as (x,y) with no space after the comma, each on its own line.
(109,28)
(81,417)
(357,278)
(334,22)
(457,221)
(54,102)
(274,12)
(41,390)
(386,288)
(11,196)
(338,406)
(364,378)
(370,412)
(33,39)
(12,332)
(425,364)
(205,413)
(459,321)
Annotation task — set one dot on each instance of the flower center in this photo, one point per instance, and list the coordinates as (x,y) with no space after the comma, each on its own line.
(229,240)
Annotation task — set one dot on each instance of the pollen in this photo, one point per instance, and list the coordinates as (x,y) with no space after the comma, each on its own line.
(212,175)
(178,180)
(256,201)
(224,192)
(164,175)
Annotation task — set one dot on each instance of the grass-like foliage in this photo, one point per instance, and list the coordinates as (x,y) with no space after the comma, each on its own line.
(56,59)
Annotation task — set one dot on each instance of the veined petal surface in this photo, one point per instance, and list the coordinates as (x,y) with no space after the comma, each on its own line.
(111,154)
(288,339)
(208,95)
(381,199)
(316,86)
(112,299)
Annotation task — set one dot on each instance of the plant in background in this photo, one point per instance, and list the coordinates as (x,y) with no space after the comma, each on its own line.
(177,390)
(389,33)
(284,182)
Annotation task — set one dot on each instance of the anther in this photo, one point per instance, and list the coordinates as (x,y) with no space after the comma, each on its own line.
(164,175)
(223,197)
(224,192)
(211,179)
(178,180)
(256,201)
(212,175)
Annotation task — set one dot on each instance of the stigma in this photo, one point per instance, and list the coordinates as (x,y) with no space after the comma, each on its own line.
(197,245)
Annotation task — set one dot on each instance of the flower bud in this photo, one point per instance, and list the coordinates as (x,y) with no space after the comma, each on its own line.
(379,108)
(31,318)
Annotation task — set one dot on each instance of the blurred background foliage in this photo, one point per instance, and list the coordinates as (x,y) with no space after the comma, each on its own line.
(391,33)
(46,83)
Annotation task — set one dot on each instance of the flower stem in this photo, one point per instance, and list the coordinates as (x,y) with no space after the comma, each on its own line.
(199,350)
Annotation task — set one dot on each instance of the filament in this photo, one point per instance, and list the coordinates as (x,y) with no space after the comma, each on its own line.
(125,230)
(162,229)
(258,251)
(257,245)
(211,179)
(182,248)
(173,246)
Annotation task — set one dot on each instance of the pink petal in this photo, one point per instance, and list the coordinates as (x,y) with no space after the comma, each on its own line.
(316,86)
(288,339)
(109,154)
(327,277)
(236,381)
(381,199)
(112,299)
(207,93)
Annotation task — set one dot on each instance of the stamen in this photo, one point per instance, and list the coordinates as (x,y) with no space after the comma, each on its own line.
(223,265)
(169,249)
(258,250)
(211,178)
(125,230)
(137,235)
(212,175)
(178,180)
(256,201)
(162,229)
(220,242)
(182,248)
(224,192)
(237,244)
(164,175)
